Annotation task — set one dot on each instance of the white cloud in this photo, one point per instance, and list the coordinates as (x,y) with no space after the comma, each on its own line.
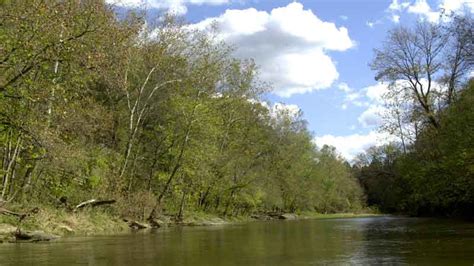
(344,87)
(289,44)
(175,6)
(395,5)
(425,11)
(371,24)
(421,7)
(343,17)
(352,96)
(372,117)
(291,110)
(351,145)
(456,5)
(376,92)
(395,18)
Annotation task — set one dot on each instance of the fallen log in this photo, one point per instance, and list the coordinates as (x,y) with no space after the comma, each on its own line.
(93,203)
(288,216)
(34,236)
(137,226)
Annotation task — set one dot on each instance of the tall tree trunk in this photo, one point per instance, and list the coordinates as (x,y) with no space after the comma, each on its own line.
(181,205)
(137,112)
(9,168)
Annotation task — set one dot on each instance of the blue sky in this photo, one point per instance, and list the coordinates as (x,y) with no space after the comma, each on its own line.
(315,53)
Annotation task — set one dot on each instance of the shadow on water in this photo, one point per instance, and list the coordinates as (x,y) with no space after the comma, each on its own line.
(375,240)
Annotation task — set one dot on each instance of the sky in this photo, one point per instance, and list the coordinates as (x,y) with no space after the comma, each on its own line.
(315,54)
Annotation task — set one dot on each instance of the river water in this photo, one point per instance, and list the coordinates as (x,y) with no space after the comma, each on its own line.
(353,241)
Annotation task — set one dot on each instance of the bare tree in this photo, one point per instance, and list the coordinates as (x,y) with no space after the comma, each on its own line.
(412,55)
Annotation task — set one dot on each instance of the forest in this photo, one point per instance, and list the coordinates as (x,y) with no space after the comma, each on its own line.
(161,118)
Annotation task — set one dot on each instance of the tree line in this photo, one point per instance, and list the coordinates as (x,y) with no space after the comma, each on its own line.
(429,108)
(160,117)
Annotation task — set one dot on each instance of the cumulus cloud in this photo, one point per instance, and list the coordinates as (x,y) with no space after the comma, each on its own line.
(352,97)
(425,11)
(376,92)
(351,145)
(421,7)
(175,6)
(289,44)
(372,117)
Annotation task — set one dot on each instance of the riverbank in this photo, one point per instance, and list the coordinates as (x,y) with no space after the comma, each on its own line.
(54,223)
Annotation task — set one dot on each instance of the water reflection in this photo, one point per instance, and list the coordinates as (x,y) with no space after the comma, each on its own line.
(363,241)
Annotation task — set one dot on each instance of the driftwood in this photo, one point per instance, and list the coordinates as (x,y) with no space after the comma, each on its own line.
(274,215)
(34,236)
(93,203)
(136,225)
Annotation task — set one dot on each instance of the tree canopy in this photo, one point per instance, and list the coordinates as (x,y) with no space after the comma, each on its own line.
(164,119)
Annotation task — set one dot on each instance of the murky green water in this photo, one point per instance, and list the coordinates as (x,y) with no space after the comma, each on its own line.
(360,241)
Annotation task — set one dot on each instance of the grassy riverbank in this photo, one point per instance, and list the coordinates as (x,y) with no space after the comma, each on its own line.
(102,222)
(64,223)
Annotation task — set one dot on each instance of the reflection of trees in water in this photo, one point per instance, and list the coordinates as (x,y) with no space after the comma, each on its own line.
(361,241)
(384,241)
(414,240)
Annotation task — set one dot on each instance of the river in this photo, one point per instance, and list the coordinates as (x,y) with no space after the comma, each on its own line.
(352,241)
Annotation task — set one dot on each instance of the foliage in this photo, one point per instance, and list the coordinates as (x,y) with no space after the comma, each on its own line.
(436,177)
(430,108)
(161,118)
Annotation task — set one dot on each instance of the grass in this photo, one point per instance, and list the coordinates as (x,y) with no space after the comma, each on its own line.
(61,222)
(101,221)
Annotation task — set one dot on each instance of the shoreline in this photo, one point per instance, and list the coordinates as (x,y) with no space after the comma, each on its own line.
(53,224)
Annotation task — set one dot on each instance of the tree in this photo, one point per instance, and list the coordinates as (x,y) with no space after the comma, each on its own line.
(417,63)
